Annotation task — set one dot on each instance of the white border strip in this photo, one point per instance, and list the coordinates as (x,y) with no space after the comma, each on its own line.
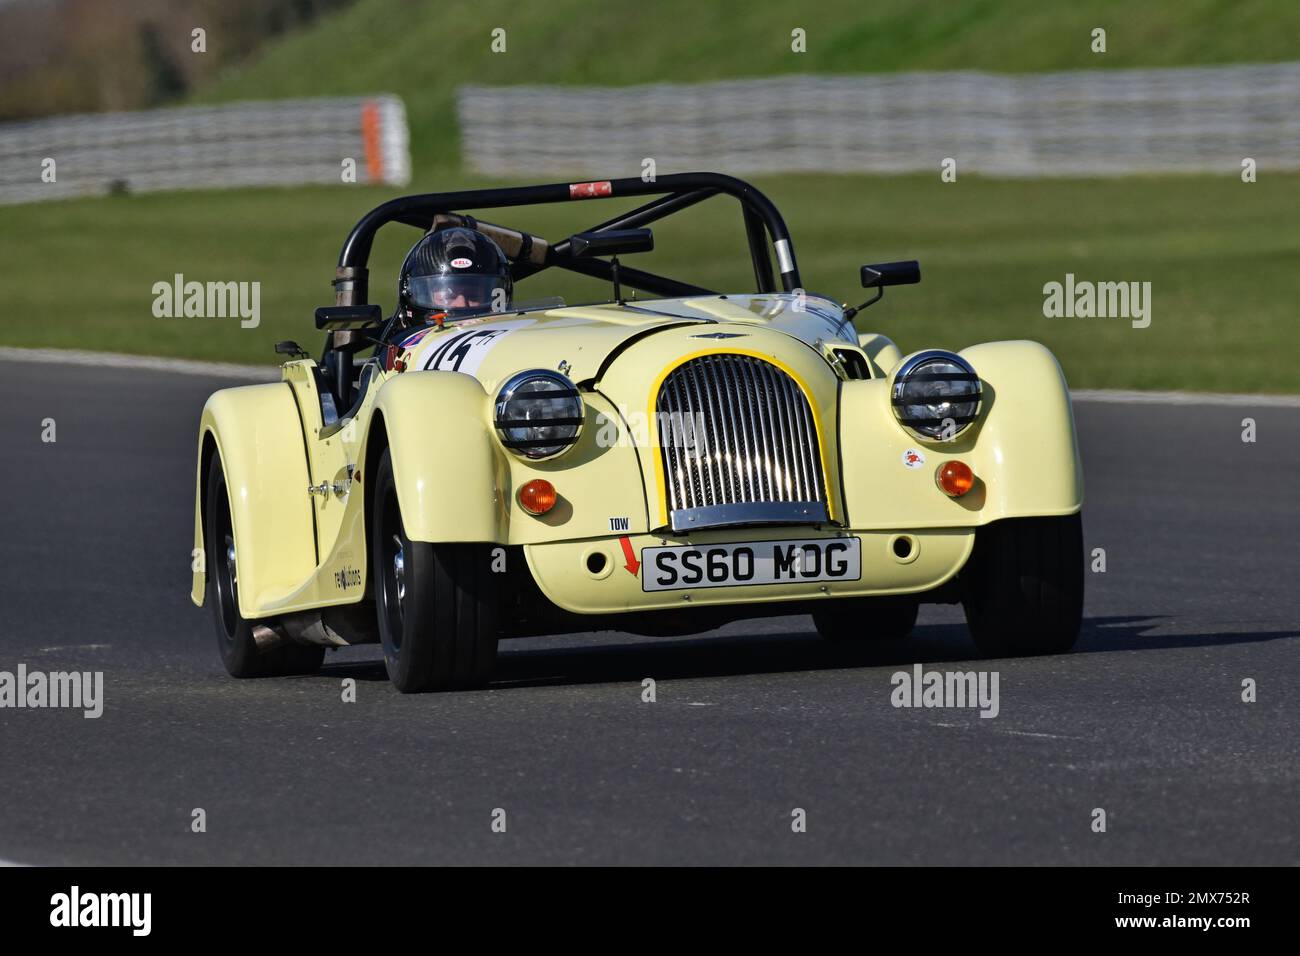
(1121,397)
(270,373)
(253,373)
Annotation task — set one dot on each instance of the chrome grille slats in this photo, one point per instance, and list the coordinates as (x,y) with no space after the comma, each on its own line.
(676,392)
(782,425)
(753,477)
(668,454)
(740,451)
(755,458)
(712,443)
(799,472)
(698,492)
(765,436)
(731,432)
(696,406)
(812,470)
(665,407)
(818,478)
(687,492)
(756,431)
(779,427)
(727,435)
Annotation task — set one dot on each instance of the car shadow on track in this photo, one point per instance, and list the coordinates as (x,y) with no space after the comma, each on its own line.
(1130,634)
(733,654)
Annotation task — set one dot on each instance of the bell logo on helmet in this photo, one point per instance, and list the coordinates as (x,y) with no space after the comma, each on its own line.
(461,263)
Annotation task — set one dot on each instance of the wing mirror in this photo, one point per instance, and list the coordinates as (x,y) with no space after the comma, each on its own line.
(612,242)
(882,274)
(891,273)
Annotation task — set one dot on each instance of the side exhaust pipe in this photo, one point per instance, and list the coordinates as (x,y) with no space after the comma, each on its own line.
(331,627)
(268,638)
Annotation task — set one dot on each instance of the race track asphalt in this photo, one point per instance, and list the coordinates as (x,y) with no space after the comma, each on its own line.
(1145,719)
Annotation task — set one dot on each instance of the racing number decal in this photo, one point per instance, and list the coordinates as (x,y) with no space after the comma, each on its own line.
(464,351)
(451,355)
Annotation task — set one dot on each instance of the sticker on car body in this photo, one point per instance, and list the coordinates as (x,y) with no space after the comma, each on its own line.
(412,340)
(463,350)
(751,562)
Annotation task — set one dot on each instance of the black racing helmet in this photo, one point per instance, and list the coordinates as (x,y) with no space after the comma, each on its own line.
(454,271)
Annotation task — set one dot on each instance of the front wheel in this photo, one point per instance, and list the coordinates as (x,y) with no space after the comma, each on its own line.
(437,603)
(239,652)
(1023,586)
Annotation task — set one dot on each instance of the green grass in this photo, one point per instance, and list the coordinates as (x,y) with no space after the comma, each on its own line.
(1221,256)
(423,50)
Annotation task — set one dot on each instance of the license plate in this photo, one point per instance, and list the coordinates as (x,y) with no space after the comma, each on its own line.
(752,562)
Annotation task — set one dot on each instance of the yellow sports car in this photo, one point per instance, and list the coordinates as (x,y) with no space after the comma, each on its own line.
(471,467)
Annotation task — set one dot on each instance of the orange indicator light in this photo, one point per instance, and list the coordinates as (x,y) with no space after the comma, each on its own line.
(954,478)
(537,496)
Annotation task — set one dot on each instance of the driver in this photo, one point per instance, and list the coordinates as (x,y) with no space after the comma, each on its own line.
(452,273)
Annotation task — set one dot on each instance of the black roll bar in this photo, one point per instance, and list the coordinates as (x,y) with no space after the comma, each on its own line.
(676,191)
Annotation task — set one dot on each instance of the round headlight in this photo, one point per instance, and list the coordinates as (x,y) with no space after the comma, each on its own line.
(936,395)
(538,414)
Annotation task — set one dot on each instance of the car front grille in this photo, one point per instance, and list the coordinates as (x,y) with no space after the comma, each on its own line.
(738,445)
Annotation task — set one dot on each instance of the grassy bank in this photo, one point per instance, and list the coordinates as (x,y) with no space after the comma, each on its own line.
(423,50)
(1220,256)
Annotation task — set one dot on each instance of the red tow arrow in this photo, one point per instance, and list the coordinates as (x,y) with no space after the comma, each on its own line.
(632,565)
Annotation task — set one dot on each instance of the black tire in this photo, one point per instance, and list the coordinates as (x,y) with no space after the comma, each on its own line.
(867,619)
(438,613)
(235,634)
(1023,586)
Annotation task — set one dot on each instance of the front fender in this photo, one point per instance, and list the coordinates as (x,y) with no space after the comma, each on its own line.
(1026,439)
(445,464)
(1022,449)
(883,354)
(455,482)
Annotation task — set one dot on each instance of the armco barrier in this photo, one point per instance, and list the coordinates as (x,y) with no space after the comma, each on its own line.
(1084,123)
(273,143)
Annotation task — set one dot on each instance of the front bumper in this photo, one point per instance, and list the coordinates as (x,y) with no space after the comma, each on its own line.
(566,571)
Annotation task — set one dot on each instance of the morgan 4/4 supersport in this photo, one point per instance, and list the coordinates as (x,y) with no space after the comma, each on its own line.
(440,480)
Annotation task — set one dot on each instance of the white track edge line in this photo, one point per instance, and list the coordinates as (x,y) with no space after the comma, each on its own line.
(1128,397)
(270,373)
(257,373)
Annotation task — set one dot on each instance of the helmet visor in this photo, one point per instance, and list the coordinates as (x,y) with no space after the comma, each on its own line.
(454,293)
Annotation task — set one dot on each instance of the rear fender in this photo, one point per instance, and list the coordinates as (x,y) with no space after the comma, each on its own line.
(256,431)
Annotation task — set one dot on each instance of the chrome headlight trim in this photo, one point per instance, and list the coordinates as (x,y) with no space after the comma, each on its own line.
(538,449)
(930,427)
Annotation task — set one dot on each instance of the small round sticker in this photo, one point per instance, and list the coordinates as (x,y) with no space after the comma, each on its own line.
(461,263)
(913,458)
